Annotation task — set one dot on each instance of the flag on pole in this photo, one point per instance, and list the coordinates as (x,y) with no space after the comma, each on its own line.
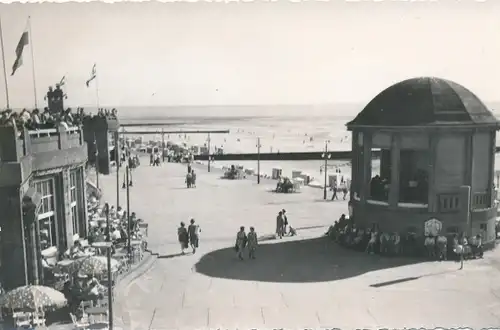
(24,41)
(93,75)
(63,81)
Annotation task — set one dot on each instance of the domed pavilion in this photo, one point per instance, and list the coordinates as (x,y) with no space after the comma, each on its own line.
(436,141)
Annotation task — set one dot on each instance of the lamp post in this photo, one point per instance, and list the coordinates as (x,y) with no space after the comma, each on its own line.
(326,156)
(209,150)
(162,145)
(258,160)
(117,161)
(127,169)
(96,162)
(110,279)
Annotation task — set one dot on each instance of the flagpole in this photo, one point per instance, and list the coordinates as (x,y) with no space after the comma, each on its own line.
(96,88)
(4,69)
(32,61)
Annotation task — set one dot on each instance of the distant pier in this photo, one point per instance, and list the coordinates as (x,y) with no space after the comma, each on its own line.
(316,155)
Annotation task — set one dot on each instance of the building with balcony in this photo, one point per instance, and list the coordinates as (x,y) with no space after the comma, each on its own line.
(100,133)
(437,144)
(42,198)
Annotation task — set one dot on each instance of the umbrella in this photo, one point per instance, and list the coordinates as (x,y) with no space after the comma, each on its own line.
(69,266)
(97,265)
(33,297)
(432,227)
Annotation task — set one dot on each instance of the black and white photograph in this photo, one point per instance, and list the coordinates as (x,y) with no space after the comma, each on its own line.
(249,165)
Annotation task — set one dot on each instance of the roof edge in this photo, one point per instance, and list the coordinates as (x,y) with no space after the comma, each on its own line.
(431,126)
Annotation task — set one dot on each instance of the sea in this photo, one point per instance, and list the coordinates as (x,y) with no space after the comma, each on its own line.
(283,128)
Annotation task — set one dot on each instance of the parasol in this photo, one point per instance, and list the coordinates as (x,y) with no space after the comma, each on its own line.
(96,265)
(432,227)
(69,266)
(33,297)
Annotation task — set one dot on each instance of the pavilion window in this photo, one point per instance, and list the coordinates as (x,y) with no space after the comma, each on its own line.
(47,213)
(380,176)
(414,176)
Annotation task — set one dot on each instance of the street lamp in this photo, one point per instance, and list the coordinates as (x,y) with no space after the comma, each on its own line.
(109,246)
(209,150)
(326,156)
(117,161)
(210,159)
(258,160)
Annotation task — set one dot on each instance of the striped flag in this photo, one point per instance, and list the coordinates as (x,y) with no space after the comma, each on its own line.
(93,75)
(24,41)
(63,81)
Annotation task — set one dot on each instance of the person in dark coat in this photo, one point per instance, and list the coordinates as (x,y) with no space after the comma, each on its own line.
(285,221)
(279,224)
(194,235)
(183,237)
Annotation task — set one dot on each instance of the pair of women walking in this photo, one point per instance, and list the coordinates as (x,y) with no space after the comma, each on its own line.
(188,236)
(244,240)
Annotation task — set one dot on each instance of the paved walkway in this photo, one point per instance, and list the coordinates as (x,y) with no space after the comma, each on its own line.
(305,281)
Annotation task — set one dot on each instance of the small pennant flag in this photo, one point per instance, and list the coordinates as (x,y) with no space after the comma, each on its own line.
(63,81)
(24,41)
(93,75)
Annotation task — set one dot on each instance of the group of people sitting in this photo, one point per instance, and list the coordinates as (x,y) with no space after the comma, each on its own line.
(234,173)
(46,119)
(84,288)
(118,230)
(36,119)
(440,247)
(284,185)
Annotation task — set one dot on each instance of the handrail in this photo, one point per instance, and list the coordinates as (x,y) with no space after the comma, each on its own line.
(43,132)
(53,131)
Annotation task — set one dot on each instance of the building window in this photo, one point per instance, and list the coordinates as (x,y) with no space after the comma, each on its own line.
(47,213)
(414,176)
(73,184)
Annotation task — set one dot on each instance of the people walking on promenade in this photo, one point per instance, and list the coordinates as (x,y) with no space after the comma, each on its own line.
(252,243)
(343,188)
(183,237)
(335,189)
(285,221)
(193,178)
(279,224)
(194,235)
(241,241)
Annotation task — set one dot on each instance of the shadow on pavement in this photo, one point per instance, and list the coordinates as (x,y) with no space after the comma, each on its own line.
(413,278)
(170,256)
(297,261)
(401,280)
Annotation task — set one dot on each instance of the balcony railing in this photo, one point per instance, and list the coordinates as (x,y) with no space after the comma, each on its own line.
(13,145)
(449,202)
(480,200)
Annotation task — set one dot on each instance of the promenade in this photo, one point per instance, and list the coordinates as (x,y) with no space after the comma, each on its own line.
(296,282)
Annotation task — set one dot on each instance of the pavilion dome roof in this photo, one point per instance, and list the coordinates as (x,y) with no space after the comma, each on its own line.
(424,101)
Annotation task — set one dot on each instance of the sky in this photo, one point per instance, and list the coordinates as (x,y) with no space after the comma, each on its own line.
(159,54)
